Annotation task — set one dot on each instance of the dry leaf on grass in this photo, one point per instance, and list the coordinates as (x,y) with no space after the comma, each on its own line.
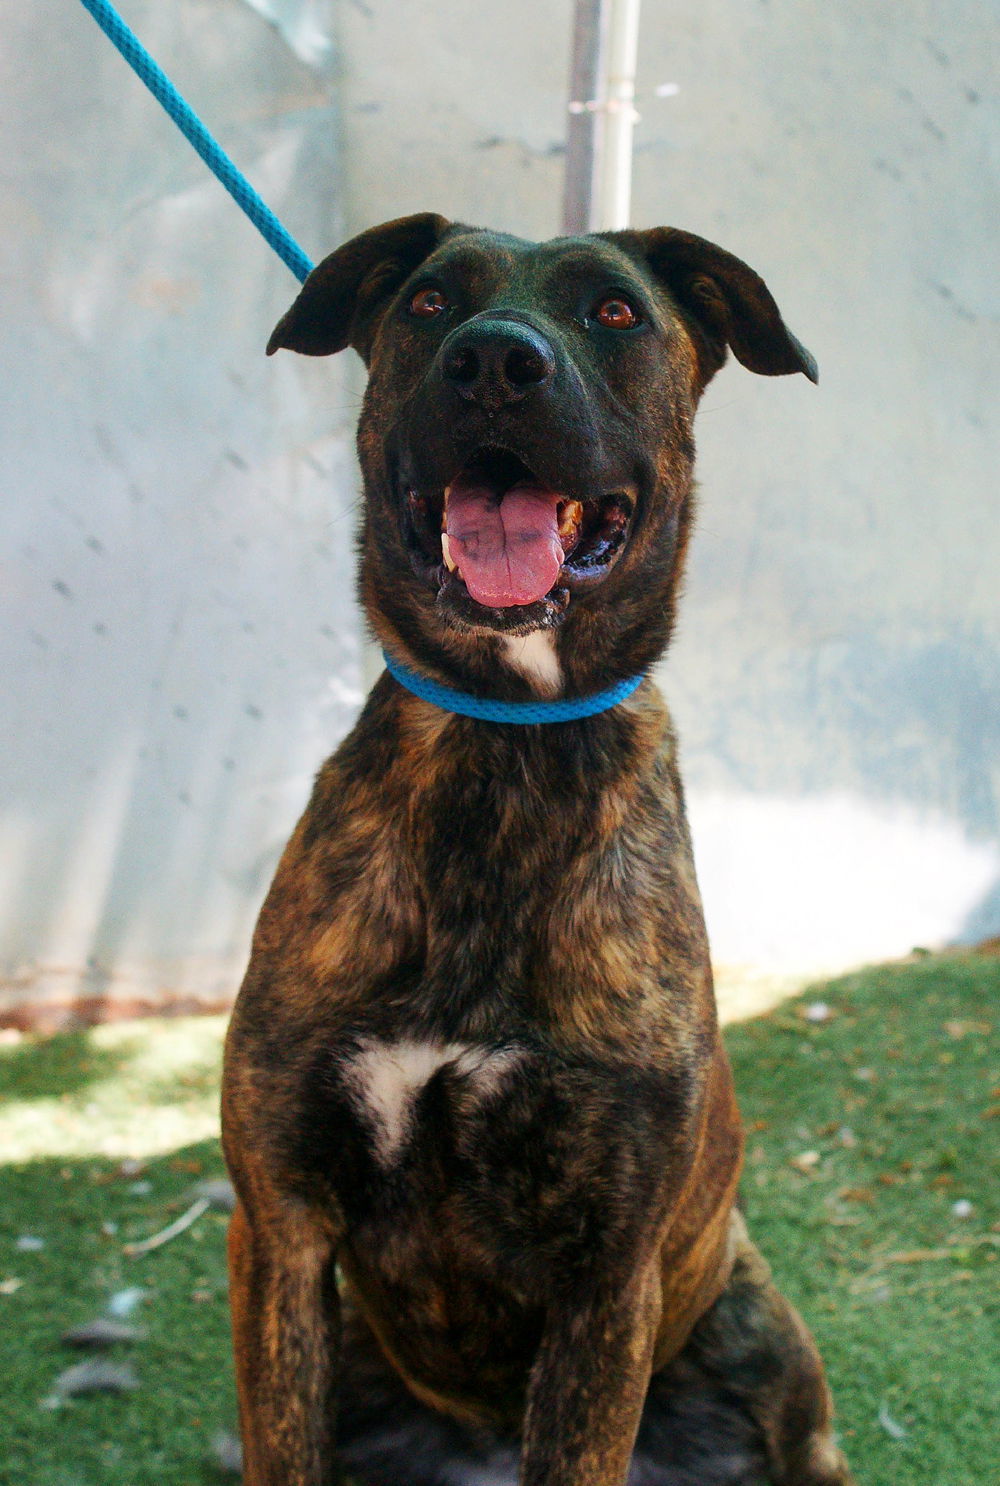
(227,1453)
(91,1377)
(124,1302)
(893,1430)
(97,1377)
(218,1193)
(180,1225)
(191,1165)
(917,1256)
(129,1169)
(102,1333)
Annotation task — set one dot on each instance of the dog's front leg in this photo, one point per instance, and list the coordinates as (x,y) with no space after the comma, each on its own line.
(286,1331)
(588,1386)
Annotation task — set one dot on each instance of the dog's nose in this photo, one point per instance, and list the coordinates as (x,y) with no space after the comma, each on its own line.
(493,362)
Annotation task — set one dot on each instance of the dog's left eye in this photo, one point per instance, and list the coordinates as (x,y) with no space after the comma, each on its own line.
(616,313)
(427,303)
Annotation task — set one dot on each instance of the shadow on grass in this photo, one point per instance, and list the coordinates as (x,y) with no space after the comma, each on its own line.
(67,1063)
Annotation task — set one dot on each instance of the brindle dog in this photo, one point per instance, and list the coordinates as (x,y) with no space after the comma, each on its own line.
(475,1068)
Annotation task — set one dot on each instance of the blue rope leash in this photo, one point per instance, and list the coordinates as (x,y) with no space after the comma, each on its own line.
(188,122)
(487,709)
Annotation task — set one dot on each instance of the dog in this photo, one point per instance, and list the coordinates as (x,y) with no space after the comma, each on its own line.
(476,1107)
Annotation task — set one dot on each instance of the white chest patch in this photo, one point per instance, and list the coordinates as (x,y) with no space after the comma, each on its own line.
(387,1077)
(534,655)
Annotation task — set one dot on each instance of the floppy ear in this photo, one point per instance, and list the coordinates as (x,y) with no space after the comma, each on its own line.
(727,302)
(340,300)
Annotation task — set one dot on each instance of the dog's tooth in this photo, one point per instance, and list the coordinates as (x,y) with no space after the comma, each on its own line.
(570,517)
(451,564)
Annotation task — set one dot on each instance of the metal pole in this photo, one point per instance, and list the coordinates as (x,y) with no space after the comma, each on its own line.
(613,187)
(585,130)
(602,115)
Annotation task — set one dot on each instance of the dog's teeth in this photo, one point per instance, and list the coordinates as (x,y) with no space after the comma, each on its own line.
(570,517)
(451,564)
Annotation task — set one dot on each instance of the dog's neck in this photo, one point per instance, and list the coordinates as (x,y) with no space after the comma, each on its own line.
(495,709)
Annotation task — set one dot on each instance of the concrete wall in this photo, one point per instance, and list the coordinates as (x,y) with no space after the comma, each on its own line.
(179,640)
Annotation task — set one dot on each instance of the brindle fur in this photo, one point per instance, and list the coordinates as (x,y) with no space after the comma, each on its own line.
(544,1277)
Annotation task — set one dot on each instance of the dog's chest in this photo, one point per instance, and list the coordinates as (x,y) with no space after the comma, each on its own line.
(389,1083)
(511,1149)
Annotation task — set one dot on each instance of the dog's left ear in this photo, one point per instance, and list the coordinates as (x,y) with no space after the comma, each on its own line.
(340,301)
(729,304)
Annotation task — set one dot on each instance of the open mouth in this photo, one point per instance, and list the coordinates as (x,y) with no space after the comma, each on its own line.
(506,539)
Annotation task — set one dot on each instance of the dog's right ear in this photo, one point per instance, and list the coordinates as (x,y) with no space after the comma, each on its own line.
(340,301)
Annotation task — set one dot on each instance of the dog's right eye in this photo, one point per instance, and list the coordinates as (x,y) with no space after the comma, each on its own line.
(427,303)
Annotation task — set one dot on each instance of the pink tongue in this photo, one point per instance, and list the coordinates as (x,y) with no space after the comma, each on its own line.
(508,551)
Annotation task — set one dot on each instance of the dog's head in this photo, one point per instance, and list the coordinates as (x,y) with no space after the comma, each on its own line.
(526,432)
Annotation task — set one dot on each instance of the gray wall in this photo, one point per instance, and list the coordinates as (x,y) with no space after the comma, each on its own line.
(180,643)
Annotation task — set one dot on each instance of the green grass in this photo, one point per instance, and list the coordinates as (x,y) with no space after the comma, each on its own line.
(890,1100)
(73,1108)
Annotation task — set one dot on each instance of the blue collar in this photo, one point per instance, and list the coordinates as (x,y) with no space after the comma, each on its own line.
(488,709)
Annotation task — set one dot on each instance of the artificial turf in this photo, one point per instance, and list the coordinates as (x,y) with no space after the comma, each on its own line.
(871,1184)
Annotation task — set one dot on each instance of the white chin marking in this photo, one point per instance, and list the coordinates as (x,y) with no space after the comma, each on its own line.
(534,655)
